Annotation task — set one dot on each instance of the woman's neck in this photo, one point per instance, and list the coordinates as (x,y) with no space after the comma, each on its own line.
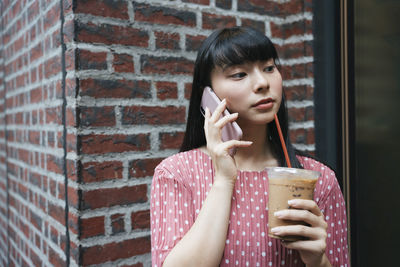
(259,155)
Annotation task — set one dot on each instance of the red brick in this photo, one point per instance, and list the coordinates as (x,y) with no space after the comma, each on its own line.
(23,227)
(33,75)
(93,144)
(36,95)
(301,114)
(166,65)
(22,190)
(140,219)
(92,60)
(310,70)
(71,87)
(294,50)
(301,92)
(54,115)
(19,44)
(70,57)
(123,63)
(193,42)
(114,88)
(32,33)
(171,140)
(33,11)
(111,34)
(54,163)
(225,4)
(105,8)
(51,17)
(52,66)
(152,115)
(309,48)
(53,188)
(167,40)
(69,30)
(56,37)
(117,223)
(302,136)
(297,71)
(56,212)
(167,90)
(104,198)
(143,167)
(35,179)
(91,227)
(73,198)
(201,2)
(53,235)
(271,8)
(20,80)
(71,141)
(285,31)
(74,251)
(163,15)
(101,171)
(213,21)
(33,257)
(34,137)
(55,258)
(256,24)
(188,90)
(115,251)
(97,116)
(36,52)
(71,117)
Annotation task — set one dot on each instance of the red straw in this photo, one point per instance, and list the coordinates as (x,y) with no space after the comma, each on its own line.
(282,142)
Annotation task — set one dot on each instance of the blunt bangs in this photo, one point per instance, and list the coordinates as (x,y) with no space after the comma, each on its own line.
(240,45)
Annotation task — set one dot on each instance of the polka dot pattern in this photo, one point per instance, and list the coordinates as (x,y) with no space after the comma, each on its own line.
(181,184)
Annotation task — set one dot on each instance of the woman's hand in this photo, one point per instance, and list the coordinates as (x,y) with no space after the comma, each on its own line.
(312,250)
(224,164)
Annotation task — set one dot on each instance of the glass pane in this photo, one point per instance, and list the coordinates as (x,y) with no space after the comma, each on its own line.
(377,96)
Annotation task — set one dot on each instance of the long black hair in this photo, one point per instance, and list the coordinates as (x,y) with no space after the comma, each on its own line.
(227,47)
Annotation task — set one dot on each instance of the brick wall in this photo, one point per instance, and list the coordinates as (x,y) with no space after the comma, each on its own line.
(33,201)
(83,124)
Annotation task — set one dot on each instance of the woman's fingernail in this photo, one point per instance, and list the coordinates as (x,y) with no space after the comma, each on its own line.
(223,100)
(278,213)
(275,230)
(291,201)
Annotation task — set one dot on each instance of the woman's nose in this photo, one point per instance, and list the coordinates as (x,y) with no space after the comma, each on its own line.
(261,81)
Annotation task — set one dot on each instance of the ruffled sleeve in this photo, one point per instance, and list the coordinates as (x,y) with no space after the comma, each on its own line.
(172,212)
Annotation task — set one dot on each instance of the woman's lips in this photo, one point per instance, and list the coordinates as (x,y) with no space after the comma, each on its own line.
(264,104)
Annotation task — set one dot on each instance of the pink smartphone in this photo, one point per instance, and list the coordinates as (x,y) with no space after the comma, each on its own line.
(231,130)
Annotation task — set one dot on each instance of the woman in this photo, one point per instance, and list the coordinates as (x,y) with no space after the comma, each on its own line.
(209,208)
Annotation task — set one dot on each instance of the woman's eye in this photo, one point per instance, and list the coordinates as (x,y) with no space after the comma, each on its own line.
(270,68)
(237,75)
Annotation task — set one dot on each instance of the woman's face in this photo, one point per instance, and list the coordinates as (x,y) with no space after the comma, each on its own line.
(252,89)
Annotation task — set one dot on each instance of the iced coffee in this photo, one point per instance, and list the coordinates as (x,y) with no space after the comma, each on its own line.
(285,184)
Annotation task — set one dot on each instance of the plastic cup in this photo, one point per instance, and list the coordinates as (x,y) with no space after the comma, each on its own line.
(285,184)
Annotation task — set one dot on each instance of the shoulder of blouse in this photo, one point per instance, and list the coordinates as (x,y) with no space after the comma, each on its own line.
(310,163)
(176,166)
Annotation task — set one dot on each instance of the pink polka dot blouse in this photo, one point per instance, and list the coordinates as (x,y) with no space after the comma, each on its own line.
(181,183)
